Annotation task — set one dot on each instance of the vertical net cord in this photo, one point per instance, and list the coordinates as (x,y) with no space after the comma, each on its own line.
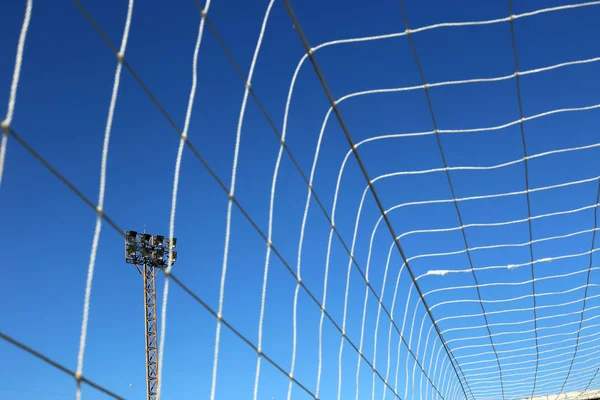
(376,332)
(412,329)
(439,143)
(99,207)
(345,312)
(595,221)
(263,298)
(365,302)
(12,99)
(390,329)
(230,206)
(332,230)
(179,157)
(526,170)
(326,274)
(420,336)
(332,101)
(585,296)
(588,385)
(435,363)
(369,288)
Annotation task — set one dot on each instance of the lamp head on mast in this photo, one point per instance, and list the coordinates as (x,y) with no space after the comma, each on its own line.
(143,248)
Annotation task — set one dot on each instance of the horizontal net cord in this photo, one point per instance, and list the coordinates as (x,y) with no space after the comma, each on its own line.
(455,25)
(492,361)
(452,131)
(467,81)
(503,223)
(530,320)
(531,330)
(520,374)
(519,390)
(546,378)
(515,309)
(533,347)
(508,300)
(530,361)
(494,195)
(513,266)
(525,340)
(474,130)
(531,371)
(549,380)
(508,266)
(537,279)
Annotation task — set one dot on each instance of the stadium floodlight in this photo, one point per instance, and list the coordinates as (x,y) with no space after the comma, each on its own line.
(171,243)
(131,250)
(130,236)
(159,253)
(158,240)
(146,238)
(145,252)
(174,257)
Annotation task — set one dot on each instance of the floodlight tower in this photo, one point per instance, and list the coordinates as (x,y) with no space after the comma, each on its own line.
(150,254)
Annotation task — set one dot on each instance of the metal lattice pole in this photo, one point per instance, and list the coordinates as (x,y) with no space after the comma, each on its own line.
(151,333)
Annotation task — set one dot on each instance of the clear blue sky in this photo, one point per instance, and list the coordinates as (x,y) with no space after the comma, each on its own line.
(46,231)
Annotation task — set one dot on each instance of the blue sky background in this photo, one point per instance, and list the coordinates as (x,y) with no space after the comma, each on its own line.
(46,231)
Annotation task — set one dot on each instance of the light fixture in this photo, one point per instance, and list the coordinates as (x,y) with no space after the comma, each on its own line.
(131,250)
(145,252)
(146,237)
(158,240)
(130,236)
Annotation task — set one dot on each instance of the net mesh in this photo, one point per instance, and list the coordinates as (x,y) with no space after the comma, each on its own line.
(432,240)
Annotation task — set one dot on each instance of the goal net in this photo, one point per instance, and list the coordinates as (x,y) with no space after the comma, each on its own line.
(387,200)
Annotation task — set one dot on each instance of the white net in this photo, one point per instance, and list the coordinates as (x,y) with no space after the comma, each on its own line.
(427,239)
